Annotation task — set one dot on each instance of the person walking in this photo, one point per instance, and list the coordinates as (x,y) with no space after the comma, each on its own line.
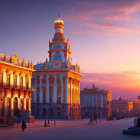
(90,122)
(23,126)
(95,118)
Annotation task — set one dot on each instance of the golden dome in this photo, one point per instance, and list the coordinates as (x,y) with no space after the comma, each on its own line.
(59,20)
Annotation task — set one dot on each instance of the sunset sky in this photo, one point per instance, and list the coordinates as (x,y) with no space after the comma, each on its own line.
(104,36)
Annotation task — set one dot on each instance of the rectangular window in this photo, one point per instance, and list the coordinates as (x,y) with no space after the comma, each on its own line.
(1,78)
(27,83)
(8,80)
(44,94)
(21,81)
(15,81)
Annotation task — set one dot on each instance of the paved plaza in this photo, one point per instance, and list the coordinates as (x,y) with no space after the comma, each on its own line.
(71,130)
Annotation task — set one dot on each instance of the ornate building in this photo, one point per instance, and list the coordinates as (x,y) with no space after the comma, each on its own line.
(15,87)
(95,100)
(57,81)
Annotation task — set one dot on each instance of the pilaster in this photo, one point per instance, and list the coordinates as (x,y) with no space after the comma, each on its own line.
(66,89)
(55,90)
(47,87)
(41,93)
(61,78)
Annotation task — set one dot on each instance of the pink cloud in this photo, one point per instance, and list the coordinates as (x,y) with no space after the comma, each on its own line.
(81,31)
(102,15)
(111,29)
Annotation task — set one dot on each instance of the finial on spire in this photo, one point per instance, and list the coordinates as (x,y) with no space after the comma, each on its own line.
(59,12)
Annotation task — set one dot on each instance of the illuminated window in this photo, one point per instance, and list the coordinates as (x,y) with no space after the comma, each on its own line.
(21,81)
(27,83)
(15,80)
(22,105)
(8,79)
(1,78)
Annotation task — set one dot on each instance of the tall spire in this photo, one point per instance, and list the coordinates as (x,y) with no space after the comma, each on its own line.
(59,12)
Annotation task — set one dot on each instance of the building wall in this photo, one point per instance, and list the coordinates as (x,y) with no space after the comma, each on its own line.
(15,86)
(95,101)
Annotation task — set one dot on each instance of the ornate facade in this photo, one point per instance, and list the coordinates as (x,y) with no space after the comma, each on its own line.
(97,101)
(15,87)
(57,81)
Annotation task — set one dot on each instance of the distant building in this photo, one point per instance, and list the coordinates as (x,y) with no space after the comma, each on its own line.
(136,106)
(122,108)
(97,101)
(57,81)
(15,87)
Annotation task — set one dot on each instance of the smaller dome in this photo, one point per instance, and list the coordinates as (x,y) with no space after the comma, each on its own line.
(59,20)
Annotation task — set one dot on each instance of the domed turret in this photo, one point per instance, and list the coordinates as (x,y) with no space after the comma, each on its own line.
(59,24)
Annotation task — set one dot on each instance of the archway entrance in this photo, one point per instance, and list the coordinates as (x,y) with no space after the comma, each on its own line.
(15,105)
(8,107)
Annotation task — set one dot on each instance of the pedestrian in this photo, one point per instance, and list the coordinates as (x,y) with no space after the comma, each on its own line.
(48,121)
(54,122)
(23,126)
(90,122)
(95,118)
(18,122)
(45,124)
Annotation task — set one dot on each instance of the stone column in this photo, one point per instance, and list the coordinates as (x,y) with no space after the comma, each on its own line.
(29,106)
(4,76)
(11,79)
(29,82)
(18,80)
(35,93)
(66,89)
(61,78)
(55,90)
(24,103)
(71,91)
(47,88)
(18,102)
(24,81)
(41,93)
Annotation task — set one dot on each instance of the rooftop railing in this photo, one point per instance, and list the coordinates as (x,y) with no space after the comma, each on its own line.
(16,61)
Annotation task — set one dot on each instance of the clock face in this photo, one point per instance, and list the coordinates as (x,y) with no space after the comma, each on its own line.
(57,64)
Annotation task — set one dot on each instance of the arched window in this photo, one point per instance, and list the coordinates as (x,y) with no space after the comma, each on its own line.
(44,112)
(27,105)
(58,111)
(15,105)
(27,83)
(58,94)
(57,56)
(8,106)
(51,94)
(51,112)
(22,104)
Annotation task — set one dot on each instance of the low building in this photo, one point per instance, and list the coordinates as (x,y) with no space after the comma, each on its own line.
(136,106)
(122,108)
(15,87)
(95,100)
